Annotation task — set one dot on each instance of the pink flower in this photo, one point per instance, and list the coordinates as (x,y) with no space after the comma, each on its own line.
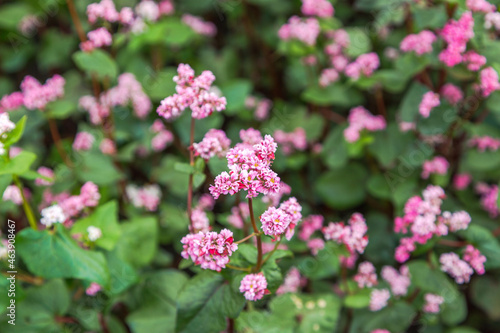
(254,286)
(480,6)
(492,20)
(456,34)
(420,43)
(192,92)
(46,172)
(36,95)
(148,10)
(100,37)
(452,93)
(89,194)
(366,276)
(13,194)
(11,102)
(199,25)
(306,30)
(475,259)
(147,196)
(293,209)
(292,282)
(214,143)
(378,299)
(438,165)
(379,330)
(107,147)
(432,303)
(310,224)
(83,141)
(315,244)
(320,8)
(161,140)
(429,101)
(457,221)
(458,269)
(166,7)
(210,250)
(328,76)
(93,289)
(474,61)
(461,181)
(250,136)
(200,221)
(238,215)
(365,64)
(104,9)
(126,16)
(484,143)
(360,119)
(353,235)
(399,281)
(291,141)
(206,202)
(489,198)
(274,198)
(274,221)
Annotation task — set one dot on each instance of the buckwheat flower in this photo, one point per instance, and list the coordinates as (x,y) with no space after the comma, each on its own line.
(456,34)
(161,140)
(473,60)
(100,37)
(474,257)
(46,172)
(452,93)
(461,181)
(328,76)
(89,194)
(292,141)
(5,124)
(13,194)
(206,202)
(306,30)
(36,95)
(365,65)
(83,141)
(11,102)
(199,25)
(200,220)
(353,235)
(29,25)
(126,16)
(420,43)
(104,9)
(214,143)
(138,26)
(378,299)
(210,250)
(457,268)
(379,330)
(107,147)
(274,198)
(128,91)
(405,248)
(262,110)
(457,221)
(399,281)
(96,109)
(489,198)
(275,221)
(72,206)
(94,233)
(292,282)
(250,136)
(146,197)
(480,6)
(429,101)
(238,215)
(309,60)
(438,165)
(166,7)
(366,276)
(254,286)
(93,289)
(148,10)
(406,126)
(484,143)
(432,303)
(320,8)
(492,20)
(315,245)
(293,209)
(361,119)
(51,215)
(310,224)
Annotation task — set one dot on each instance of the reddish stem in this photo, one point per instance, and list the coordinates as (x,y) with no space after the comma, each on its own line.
(57,140)
(190,185)
(259,240)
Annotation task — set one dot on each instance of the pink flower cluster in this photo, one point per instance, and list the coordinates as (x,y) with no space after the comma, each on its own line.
(457,268)
(438,165)
(292,282)
(492,20)
(105,10)
(379,298)
(320,8)
(147,196)
(199,25)
(250,170)
(366,276)
(210,250)
(420,43)
(452,93)
(199,216)
(306,30)
(36,95)
(11,102)
(274,221)
(254,286)
(290,141)
(353,236)
(311,224)
(293,209)
(239,214)
(360,119)
(461,181)
(474,60)
(128,90)
(73,205)
(432,303)
(456,34)
(365,64)
(214,143)
(97,38)
(429,101)
(148,10)
(488,78)
(474,257)
(484,143)
(399,281)
(93,289)
(13,194)
(83,141)
(328,76)
(261,106)
(193,92)
(162,136)
(489,198)
(107,146)
(315,245)
(424,219)
(480,6)
(46,172)
(379,330)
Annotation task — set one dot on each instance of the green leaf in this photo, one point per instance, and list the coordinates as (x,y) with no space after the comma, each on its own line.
(343,188)
(334,152)
(139,241)
(485,294)
(411,101)
(159,85)
(335,94)
(359,300)
(184,168)
(97,63)
(16,134)
(123,275)
(388,145)
(18,165)
(98,168)
(236,93)
(378,187)
(105,218)
(429,18)
(263,322)
(12,14)
(360,42)
(54,254)
(61,109)
(205,302)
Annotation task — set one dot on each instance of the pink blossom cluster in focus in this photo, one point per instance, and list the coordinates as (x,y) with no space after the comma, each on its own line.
(484,143)
(459,269)
(277,221)
(291,141)
(320,8)
(214,143)
(193,92)
(438,165)
(254,286)
(456,34)
(304,30)
(360,119)
(210,250)
(147,196)
(420,43)
(199,25)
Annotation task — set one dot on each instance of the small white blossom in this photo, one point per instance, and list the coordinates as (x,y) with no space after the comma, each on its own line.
(51,215)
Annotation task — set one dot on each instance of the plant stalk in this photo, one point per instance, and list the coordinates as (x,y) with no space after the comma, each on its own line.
(259,240)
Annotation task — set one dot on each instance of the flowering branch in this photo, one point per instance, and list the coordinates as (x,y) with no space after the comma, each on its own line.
(26,206)
(259,240)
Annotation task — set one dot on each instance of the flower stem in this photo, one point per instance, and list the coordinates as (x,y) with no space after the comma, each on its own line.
(271,253)
(238,268)
(57,140)
(451,243)
(76,20)
(26,206)
(259,240)
(190,185)
(246,238)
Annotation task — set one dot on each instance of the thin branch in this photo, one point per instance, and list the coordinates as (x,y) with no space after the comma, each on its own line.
(259,240)
(27,208)
(56,137)
(190,185)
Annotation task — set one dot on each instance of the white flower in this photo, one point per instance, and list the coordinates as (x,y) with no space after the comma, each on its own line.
(51,215)
(94,233)
(5,124)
